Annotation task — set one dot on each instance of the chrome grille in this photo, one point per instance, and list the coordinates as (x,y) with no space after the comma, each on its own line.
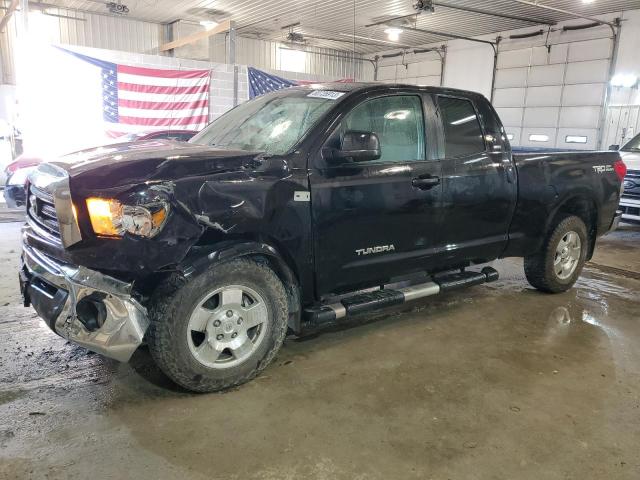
(42,210)
(632,184)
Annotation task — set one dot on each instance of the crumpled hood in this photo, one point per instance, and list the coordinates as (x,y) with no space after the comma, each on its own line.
(113,166)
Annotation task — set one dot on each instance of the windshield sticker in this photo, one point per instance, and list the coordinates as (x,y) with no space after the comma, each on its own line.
(326,94)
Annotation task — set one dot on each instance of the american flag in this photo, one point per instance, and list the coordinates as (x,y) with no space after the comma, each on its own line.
(262,82)
(138,99)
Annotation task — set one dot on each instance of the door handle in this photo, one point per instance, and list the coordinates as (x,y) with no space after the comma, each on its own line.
(426,183)
(509,172)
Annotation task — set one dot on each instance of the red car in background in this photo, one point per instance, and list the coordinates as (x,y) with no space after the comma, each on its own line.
(17,171)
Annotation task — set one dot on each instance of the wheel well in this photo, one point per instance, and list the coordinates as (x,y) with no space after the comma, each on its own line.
(583,208)
(289,279)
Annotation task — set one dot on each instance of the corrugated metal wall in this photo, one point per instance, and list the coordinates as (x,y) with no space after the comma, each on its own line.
(265,54)
(103,31)
(7,54)
(319,61)
(84,29)
(130,35)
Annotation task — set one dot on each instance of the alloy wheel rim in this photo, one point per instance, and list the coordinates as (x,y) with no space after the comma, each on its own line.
(567,256)
(227,326)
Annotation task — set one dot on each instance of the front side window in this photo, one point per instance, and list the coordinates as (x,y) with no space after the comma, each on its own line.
(396,120)
(462,131)
(272,123)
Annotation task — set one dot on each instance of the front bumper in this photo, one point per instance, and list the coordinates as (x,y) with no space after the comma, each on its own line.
(616,221)
(630,208)
(57,290)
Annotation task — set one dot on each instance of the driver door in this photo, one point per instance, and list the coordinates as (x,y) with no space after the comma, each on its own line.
(377,219)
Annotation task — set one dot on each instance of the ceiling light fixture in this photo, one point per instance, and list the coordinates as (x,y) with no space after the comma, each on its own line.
(424,6)
(117,8)
(393,33)
(208,24)
(624,80)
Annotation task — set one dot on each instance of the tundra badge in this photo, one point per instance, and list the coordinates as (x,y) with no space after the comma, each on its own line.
(380,249)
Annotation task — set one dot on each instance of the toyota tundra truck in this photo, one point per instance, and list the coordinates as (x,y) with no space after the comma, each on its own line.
(297,210)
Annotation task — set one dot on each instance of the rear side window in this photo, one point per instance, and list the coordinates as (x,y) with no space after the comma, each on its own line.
(462,132)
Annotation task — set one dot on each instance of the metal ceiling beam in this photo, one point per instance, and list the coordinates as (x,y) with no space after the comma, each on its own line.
(444,34)
(535,21)
(372,42)
(224,26)
(392,19)
(566,12)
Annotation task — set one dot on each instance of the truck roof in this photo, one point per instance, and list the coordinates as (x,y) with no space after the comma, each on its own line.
(354,87)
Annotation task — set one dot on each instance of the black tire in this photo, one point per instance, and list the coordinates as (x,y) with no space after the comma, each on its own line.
(170,311)
(539,268)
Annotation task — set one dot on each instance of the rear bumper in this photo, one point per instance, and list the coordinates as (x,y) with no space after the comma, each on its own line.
(86,307)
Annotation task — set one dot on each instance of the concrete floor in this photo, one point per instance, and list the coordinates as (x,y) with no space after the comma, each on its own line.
(496,382)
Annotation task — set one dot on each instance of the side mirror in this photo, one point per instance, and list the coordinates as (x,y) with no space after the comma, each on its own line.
(614,148)
(358,146)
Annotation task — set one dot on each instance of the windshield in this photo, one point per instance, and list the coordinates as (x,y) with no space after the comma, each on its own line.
(272,123)
(633,145)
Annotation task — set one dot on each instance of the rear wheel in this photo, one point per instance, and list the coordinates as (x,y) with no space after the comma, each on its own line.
(558,265)
(220,329)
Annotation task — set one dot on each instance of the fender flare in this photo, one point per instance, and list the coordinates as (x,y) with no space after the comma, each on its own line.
(566,200)
(200,258)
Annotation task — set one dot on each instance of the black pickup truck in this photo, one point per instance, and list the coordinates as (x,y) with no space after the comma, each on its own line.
(293,211)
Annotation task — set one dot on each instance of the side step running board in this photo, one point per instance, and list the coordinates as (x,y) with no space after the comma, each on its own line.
(317,316)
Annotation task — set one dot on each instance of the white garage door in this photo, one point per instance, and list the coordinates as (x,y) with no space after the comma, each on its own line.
(554,98)
(623,123)
(417,69)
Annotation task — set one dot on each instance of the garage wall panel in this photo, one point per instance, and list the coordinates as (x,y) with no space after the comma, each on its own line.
(577,138)
(546,75)
(387,72)
(510,116)
(545,93)
(543,96)
(542,55)
(412,68)
(541,117)
(538,137)
(580,117)
(514,136)
(514,58)
(586,94)
(509,97)
(599,49)
(596,71)
(511,77)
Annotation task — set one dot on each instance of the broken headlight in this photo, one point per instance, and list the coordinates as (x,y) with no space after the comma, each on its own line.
(111,218)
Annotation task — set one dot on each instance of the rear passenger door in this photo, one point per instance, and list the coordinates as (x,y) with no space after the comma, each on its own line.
(479,184)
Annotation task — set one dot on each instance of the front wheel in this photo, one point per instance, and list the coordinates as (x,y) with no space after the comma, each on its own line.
(558,265)
(220,329)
